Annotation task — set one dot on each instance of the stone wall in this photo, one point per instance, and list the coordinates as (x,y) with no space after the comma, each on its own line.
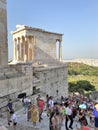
(53,79)
(3,34)
(45,46)
(16,82)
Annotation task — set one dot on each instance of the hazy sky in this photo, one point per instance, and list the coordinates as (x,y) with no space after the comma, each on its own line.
(76,19)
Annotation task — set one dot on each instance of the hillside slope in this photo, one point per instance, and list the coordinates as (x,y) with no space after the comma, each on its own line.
(80,71)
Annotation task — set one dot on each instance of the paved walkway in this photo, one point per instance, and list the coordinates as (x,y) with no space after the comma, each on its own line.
(23,124)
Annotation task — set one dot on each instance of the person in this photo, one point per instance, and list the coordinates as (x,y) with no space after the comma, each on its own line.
(29,109)
(91,118)
(25,103)
(40,104)
(50,105)
(51,102)
(37,99)
(52,121)
(9,111)
(82,119)
(58,121)
(69,117)
(14,119)
(84,127)
(34,115)
(95,113)
(55,120)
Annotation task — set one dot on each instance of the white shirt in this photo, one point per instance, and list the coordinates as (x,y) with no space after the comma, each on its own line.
(51,103)
(14,118)
(68,111)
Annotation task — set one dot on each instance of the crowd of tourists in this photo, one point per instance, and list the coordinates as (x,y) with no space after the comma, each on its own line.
(83,112)
(74,109)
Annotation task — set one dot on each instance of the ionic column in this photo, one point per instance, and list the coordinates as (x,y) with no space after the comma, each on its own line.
(26,49)
(32,48)
(17,44)
(23,49)
(20,48)
(60,50)
(14,41)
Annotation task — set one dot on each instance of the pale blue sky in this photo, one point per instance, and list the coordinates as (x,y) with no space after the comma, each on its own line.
(76,19)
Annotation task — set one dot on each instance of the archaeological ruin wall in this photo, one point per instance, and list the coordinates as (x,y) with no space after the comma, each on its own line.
(3,34)
(53,80)
(14,80)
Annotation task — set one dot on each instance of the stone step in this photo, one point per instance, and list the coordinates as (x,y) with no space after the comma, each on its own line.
(35,79)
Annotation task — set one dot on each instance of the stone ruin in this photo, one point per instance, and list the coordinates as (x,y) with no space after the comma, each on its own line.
(35,67)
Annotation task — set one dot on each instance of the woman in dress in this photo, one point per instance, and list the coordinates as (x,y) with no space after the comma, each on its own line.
(34,115)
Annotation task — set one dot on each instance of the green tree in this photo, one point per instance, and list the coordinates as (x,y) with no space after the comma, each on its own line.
(80,86)
(86,85)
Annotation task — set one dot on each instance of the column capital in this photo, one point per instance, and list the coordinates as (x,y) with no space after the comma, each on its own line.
(60,40)
(26,38)
(14,39)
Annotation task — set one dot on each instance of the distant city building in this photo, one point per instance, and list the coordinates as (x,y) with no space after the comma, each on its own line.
(91,62)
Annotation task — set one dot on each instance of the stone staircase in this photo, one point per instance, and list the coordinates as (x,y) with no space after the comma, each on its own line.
(36,84)
(36,81)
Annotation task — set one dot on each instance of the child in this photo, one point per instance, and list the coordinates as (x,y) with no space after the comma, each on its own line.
(14,120)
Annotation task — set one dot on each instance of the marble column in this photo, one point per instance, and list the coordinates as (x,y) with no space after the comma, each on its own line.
(14,41)
(32,48)
(60,50)
(17,44)
(26,49)
(23,49)
(20,49)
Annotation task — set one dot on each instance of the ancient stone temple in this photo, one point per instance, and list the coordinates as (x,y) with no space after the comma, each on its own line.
(35,44)
(3,34)
(39,47)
